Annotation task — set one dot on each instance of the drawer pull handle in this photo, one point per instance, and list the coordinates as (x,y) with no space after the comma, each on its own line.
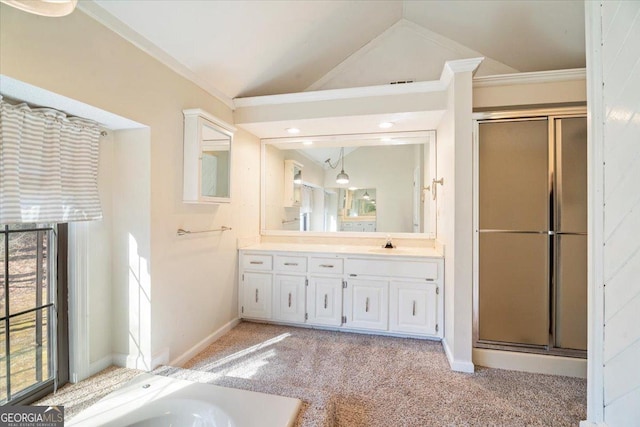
(366,305)
(256,295)
(289,299)
(326,301)
(291,263)
(256,262)
(414,308)
(326,265)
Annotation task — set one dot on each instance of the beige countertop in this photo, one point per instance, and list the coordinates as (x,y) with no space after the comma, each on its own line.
(422,252)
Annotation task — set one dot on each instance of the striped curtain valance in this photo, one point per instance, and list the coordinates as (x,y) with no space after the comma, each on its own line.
(48,166)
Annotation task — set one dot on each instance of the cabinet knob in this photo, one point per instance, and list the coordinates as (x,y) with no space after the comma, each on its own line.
(414,308)
(326,301)
(256,295)
(289,299)
(366,305)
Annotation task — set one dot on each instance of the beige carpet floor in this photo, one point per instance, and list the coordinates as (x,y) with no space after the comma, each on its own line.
(361,380)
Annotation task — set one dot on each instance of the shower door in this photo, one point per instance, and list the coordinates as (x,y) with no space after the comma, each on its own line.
(531,198)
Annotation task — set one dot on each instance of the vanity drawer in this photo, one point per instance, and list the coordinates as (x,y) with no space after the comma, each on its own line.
(296,264)
(374,267)
(326,265)
(257,262)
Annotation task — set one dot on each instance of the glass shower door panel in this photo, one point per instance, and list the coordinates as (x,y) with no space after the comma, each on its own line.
(571,160)
(514,177)
(571,292)
(514,288)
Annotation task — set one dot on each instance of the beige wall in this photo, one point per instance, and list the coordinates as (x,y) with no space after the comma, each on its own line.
(193,286)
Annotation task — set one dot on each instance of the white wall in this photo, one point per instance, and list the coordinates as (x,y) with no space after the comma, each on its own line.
(131,287)
(619,109)
(388,169)
(99,258)
(406,51)
(454,220)
(192,280)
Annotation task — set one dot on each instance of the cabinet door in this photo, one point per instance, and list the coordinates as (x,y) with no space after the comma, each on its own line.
(324,300)
(257,295)
(413,307)
(289,298)
(367,303)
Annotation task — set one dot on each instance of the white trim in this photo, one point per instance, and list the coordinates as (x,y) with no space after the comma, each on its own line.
(463,65)
(450,68)
(529,362)
(79,366)
(337,94)
(100,365)
(456,365)
(120,359)
(595,196)
(592,424)
(531,78)
(193,351)
(123,30)
(34,95)
(227,128)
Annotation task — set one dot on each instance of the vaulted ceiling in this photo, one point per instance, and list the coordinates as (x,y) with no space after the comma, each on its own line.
(250,48)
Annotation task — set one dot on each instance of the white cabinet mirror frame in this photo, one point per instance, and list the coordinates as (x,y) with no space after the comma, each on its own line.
(394,171)
(207,158)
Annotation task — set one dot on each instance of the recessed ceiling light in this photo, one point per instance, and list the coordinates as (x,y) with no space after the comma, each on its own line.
(353,188)
(307,142)
(385,125)
(293,130)
(385,139)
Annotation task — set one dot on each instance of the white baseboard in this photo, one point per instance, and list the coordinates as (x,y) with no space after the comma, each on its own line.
(100,365)
(529,362)
(457,365)
(189,354)
(161,358)
(592,424)
(120,359)
(131,361)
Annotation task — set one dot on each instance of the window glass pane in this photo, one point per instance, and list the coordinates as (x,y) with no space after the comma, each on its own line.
(3,363)
(2,266)
(29,350)
(28,268)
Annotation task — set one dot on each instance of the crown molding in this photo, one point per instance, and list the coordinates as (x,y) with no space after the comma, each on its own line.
(96,12)
(531,77)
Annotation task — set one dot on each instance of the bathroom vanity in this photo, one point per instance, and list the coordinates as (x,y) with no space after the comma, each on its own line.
(352,288)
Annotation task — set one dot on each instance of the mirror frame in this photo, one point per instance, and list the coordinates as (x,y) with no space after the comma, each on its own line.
(430,134)
(193,145)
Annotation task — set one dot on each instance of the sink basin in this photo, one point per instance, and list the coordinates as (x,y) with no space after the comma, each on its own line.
(392,251)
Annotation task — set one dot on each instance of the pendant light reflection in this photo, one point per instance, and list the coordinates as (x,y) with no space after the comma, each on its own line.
(342,177)
(51,8)
(297,178)
(366,195)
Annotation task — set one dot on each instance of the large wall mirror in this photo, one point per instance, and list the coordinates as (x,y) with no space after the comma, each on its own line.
(373,183)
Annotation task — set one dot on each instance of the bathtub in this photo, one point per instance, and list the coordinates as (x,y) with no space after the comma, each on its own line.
(153,401)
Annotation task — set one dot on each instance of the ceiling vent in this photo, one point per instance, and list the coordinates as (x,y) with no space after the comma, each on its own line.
(401,82)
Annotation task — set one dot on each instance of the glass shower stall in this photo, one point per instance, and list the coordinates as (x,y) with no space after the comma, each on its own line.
(531,198)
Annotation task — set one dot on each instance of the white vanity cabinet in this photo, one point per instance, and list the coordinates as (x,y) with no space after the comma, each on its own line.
(393,295)
(257,286)
(366,303)
(413,307)
(324,300)
(289,293)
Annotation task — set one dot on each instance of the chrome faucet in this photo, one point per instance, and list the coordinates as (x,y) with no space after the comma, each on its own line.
(389,244)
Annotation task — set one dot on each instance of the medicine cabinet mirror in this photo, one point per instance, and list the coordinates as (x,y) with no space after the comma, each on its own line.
(207,158)
(388,189)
